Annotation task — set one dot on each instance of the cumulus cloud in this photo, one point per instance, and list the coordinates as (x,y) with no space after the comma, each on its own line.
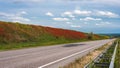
(68,22)
(75,12)
(2,14)
(49,14)
(19,19)
(68,13)
(21,13)
(15,17)
(75,26)
(61,19)
(79,12)
(103,24)
(107,14)
(90,19)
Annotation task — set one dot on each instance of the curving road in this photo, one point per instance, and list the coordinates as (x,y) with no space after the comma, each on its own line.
(49,56)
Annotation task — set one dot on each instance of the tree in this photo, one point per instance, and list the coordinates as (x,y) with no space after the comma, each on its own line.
(90,35)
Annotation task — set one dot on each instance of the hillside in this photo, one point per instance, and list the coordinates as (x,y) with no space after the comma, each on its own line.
(112,35)
(25,35)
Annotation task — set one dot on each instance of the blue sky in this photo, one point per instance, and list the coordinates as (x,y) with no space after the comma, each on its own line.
(98,16)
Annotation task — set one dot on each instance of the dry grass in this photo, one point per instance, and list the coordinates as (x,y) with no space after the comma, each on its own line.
(81,62)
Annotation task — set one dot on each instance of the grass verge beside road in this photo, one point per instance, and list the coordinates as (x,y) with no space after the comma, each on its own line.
(21,45)
(117,58)
(82,61)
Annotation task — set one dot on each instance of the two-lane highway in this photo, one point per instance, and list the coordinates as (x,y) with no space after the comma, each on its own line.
(49,56)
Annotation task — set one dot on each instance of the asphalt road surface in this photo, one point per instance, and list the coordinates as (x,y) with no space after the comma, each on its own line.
(49,56)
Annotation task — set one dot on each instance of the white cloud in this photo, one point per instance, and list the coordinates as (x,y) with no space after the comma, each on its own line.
(13,14)
(79,12)
(76,26)
(15,17)
(61,19)
(49,14)
(21,13)
(68,22)
(103,24)
(68,13)
(107,14)
(76,12)
(90,19)
(19,19)
(90,13)
(97,13)
(107,22)
(2,14)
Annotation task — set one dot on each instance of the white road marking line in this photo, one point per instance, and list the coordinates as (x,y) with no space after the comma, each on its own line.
(67,57)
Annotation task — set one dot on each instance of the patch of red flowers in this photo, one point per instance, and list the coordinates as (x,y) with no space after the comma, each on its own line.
(65,33)
(1,31)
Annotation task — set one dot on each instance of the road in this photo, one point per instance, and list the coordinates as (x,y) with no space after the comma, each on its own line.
(49,56)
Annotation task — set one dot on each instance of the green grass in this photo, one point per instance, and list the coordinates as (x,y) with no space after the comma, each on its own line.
(117,58)
(45,40)
(20,45)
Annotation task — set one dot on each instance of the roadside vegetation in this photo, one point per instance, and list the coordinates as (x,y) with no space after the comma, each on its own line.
(82,61)
(117,58)
(17,36)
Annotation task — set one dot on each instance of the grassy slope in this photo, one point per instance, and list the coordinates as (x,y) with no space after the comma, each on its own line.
(16,35)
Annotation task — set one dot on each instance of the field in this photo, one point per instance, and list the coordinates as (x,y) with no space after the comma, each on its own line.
(17,36)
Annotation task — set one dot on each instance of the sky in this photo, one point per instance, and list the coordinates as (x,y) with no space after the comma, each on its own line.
(98,16)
